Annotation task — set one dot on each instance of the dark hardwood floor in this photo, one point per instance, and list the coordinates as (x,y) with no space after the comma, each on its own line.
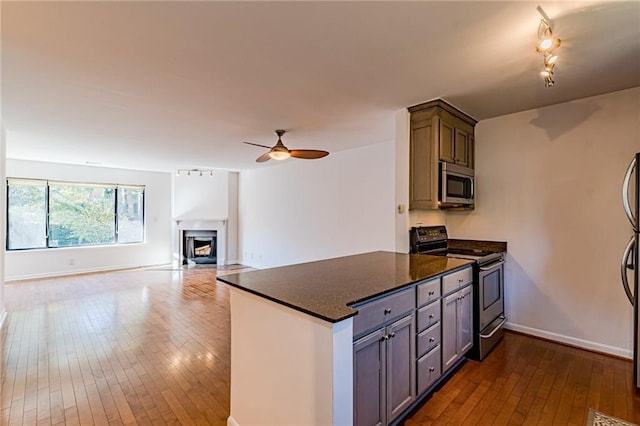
(152,347)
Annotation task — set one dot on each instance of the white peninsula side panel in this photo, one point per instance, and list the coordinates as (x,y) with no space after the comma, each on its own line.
(287,367)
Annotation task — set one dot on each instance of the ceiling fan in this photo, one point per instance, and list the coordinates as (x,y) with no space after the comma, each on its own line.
(281,152)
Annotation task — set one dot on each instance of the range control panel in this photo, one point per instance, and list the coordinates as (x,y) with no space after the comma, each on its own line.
(426,239)
(425,234)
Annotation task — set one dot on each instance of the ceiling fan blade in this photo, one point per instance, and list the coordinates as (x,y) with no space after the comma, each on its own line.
(264,157)
(308,154)
(255,144)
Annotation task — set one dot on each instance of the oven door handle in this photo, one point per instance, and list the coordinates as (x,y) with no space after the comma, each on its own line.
(493,265)
(495,330)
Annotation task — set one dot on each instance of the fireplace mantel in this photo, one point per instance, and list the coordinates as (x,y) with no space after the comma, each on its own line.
(205,224)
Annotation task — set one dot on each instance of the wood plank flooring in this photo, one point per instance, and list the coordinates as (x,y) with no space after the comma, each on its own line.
(151,346)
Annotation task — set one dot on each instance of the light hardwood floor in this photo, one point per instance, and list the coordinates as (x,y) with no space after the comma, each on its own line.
(151,346)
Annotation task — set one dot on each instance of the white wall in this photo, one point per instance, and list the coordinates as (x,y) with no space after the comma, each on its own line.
(154,251)
(3,222)
(201,197)
(205,198)
(303,210)
(306,378)
(549,183)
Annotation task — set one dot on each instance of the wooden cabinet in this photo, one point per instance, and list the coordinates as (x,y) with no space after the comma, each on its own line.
(428,352)
(456,143)
(384,358)
(437,132)
(423,157)
(369,373)
(384,373)
(457,326)
(400,366)
(406,341)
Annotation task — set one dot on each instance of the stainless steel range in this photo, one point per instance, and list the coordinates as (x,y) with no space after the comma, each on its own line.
(488,287)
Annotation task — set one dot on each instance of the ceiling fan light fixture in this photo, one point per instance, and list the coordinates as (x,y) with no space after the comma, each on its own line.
(281,152)
(279,155)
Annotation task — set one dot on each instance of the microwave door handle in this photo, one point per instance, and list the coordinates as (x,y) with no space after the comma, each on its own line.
(625,194)
(473,190)
(624,266)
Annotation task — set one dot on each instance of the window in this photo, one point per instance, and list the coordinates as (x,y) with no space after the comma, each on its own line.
(130,214)
(26,214)
(79,214)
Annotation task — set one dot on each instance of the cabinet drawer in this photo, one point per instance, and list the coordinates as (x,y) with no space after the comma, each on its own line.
(428,339)
(378,312)
(456,280)
(428,291)
(429,369)
(428,315)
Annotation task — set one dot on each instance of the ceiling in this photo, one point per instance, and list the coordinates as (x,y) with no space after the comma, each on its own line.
(170,85)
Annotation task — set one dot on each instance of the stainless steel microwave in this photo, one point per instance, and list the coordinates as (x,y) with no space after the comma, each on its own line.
(457,186)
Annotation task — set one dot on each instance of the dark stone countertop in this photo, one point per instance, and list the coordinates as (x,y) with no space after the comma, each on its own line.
(326,288)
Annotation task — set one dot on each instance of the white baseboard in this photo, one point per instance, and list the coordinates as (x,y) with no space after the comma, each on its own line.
(572,341)
(3,316)
(232,422)
(8,280)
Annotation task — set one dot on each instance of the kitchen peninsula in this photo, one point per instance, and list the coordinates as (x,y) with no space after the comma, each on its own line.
(293,329)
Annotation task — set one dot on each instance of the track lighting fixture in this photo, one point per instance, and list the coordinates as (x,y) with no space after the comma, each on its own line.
(199,172)
(546,45)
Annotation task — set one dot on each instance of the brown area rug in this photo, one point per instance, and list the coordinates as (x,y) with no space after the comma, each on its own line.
(596,418)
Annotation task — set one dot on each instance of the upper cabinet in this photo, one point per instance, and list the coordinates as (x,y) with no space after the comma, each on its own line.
(438,132)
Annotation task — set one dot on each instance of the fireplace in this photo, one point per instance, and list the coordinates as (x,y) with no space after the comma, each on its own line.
(215,229)
(199,247)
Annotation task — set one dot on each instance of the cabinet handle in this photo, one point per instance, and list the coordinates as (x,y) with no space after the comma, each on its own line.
(392,334)
(387,311)
(432,369)
(431,316)
(431,339)
(431,293)
(460,280)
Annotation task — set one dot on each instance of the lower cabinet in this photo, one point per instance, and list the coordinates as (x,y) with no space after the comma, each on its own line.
(384,373)
(429,369)
(457,326)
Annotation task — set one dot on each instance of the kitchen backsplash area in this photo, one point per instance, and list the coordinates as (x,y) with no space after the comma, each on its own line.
(427,218)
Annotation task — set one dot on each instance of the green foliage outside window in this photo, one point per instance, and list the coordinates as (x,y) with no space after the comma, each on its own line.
(78,214)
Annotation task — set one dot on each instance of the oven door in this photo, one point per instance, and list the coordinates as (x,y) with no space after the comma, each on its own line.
(491,292)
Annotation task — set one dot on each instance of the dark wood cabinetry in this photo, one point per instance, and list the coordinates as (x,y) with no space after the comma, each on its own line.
(384,359)
(404,342)
(457,316)
(437,132)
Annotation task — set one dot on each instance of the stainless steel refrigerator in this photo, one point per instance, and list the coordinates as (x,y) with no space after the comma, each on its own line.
(631,256)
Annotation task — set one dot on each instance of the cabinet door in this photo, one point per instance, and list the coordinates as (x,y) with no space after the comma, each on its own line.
(423,168)
(447,139)
(465,320)
(449,330)
(369,363)
(461,148)
(401,360)
(471,154)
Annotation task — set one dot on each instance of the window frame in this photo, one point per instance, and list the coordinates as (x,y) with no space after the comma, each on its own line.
(46,183)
